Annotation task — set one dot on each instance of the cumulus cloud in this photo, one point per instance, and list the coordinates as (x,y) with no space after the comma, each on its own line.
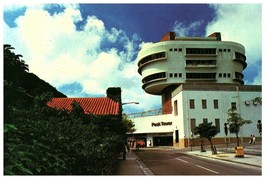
(241,23)
(65,56)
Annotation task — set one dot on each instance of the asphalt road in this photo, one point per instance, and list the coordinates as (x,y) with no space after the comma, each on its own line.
(173,162)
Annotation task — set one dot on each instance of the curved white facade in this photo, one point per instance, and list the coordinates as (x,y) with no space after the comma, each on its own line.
(190,60)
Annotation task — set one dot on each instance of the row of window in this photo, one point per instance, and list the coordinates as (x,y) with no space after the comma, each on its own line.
(225,50)
(221,75)
(204,104)
(190,76)
(201,62)
(200,75)
(175,75)
(224,75)
(175,50)
(199,50)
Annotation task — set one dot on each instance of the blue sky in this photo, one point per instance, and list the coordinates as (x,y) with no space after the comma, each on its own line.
(82,49)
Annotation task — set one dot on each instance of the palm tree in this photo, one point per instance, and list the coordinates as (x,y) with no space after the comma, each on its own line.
(235,122)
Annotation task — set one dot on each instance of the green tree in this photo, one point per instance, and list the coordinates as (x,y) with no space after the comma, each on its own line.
(128,124)
(14,66)
(236,122)
(39,140)
(207,130)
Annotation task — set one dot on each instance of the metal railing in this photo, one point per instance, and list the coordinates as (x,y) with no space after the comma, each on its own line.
(154,112)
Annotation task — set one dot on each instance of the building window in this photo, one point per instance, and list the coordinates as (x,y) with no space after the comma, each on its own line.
(175,49)
(170,49)
(204,104)
(233,105)
(180,75)
(205,120)
(200,51)
(217,124)
(180,50)
(192,104)
(175,74)
(171,75)
(200,62)
(220,75)
(200,75)
(229,75)
(156,56)
(175,108)
(156,76)
(238,75)
(240,56)
(215,104)
(224,75)
(193,124)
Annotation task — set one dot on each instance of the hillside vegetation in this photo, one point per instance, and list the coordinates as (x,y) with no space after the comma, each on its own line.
(39,140)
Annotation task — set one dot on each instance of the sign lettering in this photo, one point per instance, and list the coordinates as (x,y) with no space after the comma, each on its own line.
(157,124)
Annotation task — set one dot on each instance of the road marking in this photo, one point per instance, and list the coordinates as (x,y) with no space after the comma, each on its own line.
(207,169)
(182,160)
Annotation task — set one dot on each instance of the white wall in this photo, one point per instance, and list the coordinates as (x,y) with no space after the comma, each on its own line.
(153,124)
(225,98)
(181,122)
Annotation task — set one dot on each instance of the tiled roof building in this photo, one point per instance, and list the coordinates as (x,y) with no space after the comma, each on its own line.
(109,105)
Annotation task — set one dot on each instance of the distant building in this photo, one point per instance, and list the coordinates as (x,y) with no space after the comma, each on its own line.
(110,105)
(199,80)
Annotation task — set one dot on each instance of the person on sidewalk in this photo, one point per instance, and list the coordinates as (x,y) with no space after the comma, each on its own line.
(254,139)
(251,139)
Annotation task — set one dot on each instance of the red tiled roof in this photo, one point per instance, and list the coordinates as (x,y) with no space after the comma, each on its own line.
(97,106)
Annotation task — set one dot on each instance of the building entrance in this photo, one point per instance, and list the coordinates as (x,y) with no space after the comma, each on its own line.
(163,141)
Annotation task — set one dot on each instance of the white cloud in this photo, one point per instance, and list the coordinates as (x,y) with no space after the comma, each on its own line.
(241,23)
(60,54)
(181,29)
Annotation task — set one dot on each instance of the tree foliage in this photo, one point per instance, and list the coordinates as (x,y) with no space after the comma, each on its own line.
(236,122)
(128,124)
(207,130)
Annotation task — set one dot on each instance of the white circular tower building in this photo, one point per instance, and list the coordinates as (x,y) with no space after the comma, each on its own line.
(196,60)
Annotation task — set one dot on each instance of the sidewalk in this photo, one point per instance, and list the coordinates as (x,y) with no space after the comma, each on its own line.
(252,160)
(252,154)
(133,166)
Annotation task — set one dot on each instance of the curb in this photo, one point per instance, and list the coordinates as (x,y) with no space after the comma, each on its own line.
(215,158)
(142,166)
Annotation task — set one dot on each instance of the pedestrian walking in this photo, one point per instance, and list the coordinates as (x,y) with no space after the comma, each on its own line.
(251,139)
(254,139)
